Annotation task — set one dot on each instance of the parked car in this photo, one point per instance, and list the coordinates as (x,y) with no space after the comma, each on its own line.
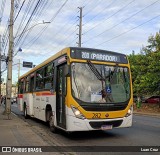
(153,99)
(13,100)
(3,99)
(142,98)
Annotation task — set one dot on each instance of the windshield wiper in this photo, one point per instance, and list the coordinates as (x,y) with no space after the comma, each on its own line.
(105,95)
(95,71)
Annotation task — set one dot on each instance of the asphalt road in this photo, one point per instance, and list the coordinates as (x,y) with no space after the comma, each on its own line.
(144,132)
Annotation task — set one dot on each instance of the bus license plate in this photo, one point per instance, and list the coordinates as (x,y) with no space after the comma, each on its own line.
(106,127)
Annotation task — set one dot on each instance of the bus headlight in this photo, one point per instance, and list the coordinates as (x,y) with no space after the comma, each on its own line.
(77,113)
(129,111)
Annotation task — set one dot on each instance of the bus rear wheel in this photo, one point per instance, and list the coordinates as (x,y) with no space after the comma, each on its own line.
(25,112)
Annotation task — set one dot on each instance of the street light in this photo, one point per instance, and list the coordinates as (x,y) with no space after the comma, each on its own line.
(43,22)
(10,57)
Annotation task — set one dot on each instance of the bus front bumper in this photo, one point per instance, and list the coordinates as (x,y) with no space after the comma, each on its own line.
(76,124)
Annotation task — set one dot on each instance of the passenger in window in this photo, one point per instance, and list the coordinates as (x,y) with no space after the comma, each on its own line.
(106,97)
(103,97)
(41,85)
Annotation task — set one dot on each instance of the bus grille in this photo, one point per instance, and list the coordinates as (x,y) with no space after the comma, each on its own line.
(97,125)
(104,107)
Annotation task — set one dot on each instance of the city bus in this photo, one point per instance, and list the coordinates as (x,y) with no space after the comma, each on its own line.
(79,89)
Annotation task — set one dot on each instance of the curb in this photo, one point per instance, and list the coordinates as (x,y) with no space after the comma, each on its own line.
(147,114)
(14,114)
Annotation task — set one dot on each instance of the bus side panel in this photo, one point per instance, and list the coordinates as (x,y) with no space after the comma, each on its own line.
(30,104)
(36,102)
(28,100)
(46,100)
(42,105)
(19,102)
(40,101)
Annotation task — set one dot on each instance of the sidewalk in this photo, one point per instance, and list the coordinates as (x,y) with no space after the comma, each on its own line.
(15,132)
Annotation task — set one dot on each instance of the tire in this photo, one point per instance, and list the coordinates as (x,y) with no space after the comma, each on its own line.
(25,113)
(51,124)
(70,133)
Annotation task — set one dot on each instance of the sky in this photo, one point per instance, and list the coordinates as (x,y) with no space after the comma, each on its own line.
(115,25)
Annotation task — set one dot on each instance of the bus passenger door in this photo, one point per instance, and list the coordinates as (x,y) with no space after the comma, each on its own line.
(60,92)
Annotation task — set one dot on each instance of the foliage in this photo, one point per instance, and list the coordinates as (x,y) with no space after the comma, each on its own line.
(145,68)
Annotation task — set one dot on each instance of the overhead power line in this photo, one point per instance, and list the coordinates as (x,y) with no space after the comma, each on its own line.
(109,16)
(23,21)
(2,9)
(5,37)
(121,21)
(102,10)
(39,11)
(36,15)
(96,4)
(19,11)
(24,17)
(128,31)
(44,29)
(29,20)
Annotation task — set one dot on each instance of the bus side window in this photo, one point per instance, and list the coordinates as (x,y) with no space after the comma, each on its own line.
(20,87)
(27,84)
(32,82)
(22,90)
(39,79)
(48,76)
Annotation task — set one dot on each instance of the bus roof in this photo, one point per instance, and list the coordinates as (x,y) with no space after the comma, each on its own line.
(63,51)
(60,53)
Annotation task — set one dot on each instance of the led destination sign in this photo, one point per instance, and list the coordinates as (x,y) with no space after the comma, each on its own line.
(98,56)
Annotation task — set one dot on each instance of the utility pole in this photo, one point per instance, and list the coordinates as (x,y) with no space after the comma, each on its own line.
(0,68)
(9,71)
(80,27)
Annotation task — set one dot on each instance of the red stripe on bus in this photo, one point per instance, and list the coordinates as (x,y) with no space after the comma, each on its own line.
(44,94)
(38,94)
(20,95)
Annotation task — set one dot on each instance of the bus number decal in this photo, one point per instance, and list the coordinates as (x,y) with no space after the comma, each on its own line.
(85,55)
(96,115)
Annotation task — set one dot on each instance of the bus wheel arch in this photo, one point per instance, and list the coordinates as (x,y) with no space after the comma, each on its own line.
(50,118)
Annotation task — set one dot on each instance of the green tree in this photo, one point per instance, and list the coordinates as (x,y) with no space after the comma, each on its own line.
(145,68)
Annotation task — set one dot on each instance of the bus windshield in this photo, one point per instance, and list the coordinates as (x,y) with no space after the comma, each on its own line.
(100,83)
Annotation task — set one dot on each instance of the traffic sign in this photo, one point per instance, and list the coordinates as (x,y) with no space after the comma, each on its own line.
(27,64)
